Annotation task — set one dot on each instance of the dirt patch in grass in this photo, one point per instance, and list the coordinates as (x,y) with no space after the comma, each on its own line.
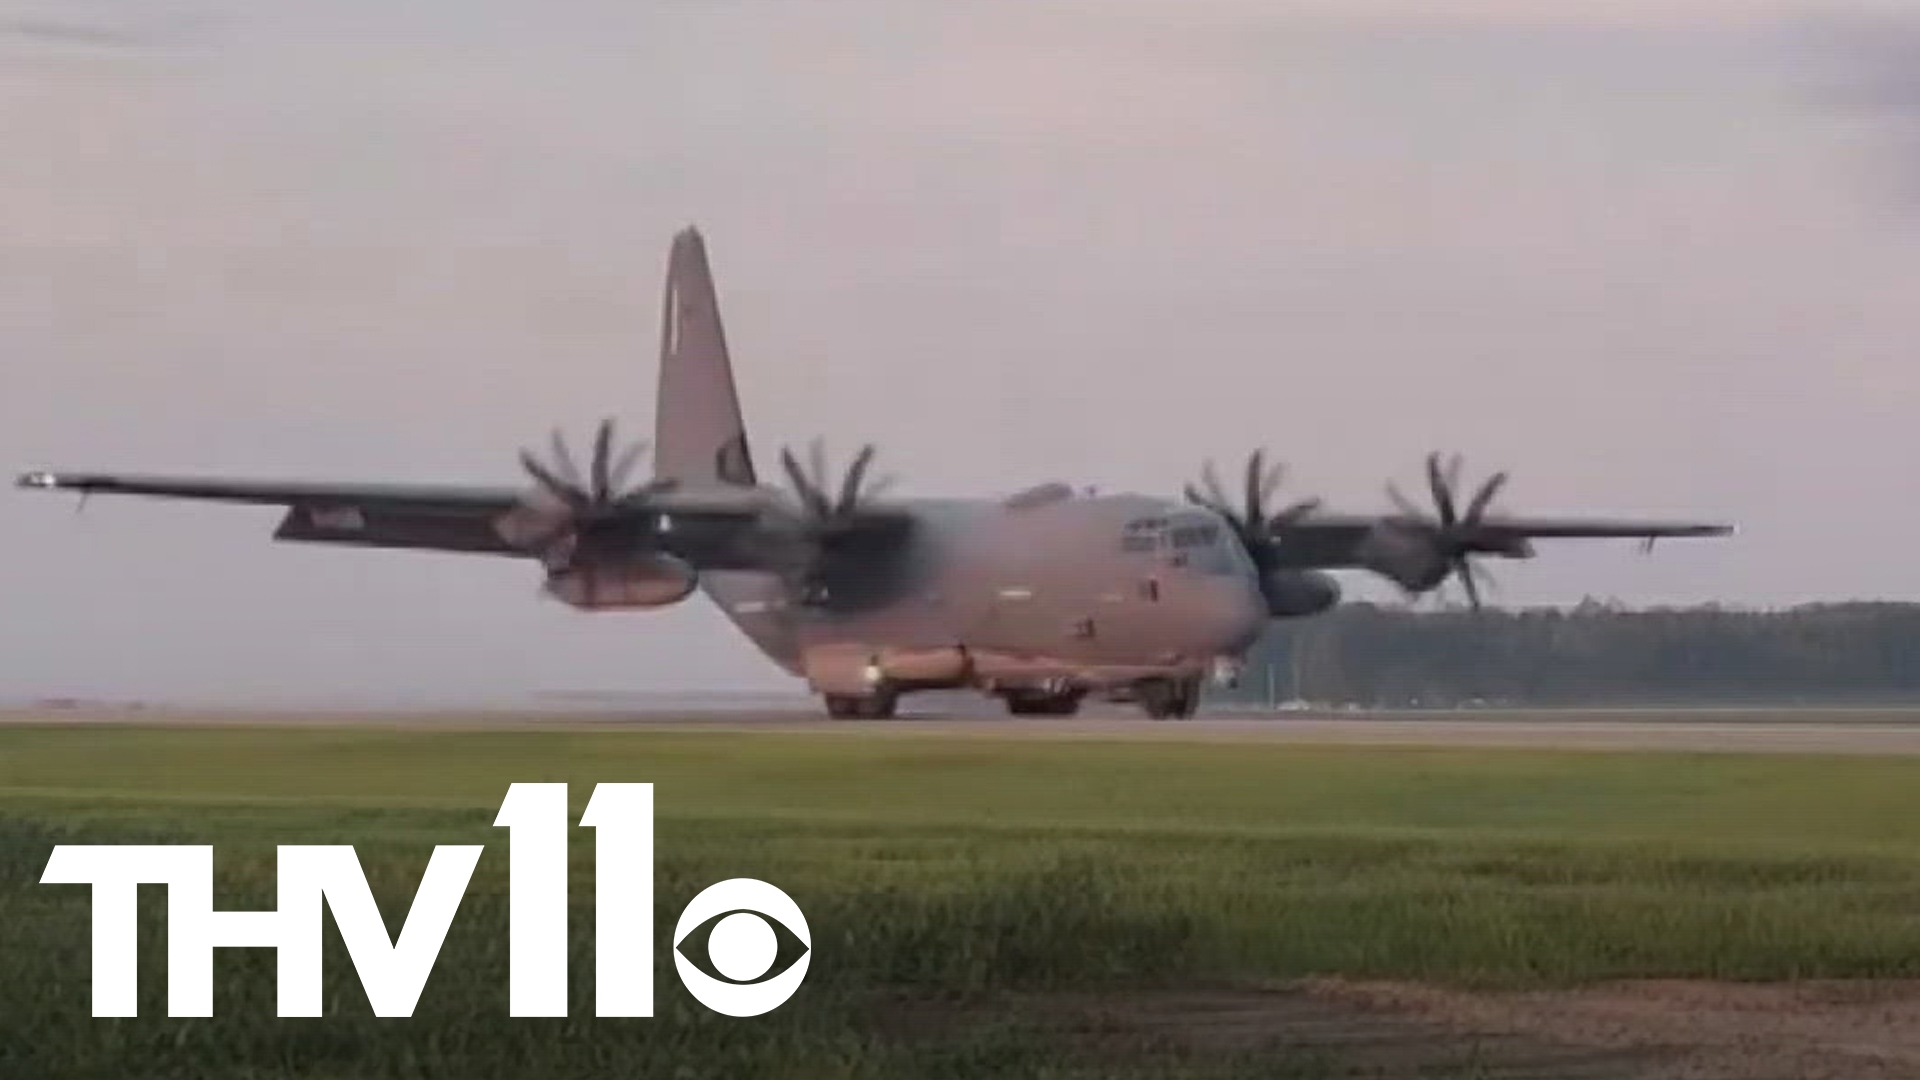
(1295,1030)
(1644,1030)
(1683,1029)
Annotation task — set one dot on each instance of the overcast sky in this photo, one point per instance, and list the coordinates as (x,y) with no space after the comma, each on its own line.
(1660,260)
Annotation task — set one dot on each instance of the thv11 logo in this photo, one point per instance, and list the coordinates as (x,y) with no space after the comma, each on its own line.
(743,947)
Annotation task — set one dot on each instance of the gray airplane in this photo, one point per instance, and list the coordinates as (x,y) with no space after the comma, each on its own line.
(1041,598)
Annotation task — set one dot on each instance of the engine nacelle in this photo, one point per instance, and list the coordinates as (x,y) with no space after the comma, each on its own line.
(1405,557)
(1291,593)
(653,580)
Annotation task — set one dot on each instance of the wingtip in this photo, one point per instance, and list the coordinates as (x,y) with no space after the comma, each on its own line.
(37,480)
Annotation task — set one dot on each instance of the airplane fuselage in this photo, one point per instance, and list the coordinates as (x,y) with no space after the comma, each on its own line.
(1049,595)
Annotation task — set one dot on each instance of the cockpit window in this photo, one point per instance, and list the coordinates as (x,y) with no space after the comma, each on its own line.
(1183,541)
(1192,536)
(1208,547)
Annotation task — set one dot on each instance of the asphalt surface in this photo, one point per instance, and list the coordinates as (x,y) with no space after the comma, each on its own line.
(1808,731)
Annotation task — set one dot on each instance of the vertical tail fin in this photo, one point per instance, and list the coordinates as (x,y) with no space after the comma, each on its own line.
(699,436)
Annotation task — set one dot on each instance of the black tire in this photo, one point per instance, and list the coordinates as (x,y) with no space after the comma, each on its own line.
(1158,698)
(1168,699)
(879,705)
(1186,699)
(1035,704)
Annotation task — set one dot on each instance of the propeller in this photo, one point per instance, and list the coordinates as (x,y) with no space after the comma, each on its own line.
(832,510)
(1251,521)
(575,519)
(1452,532)
(838,519)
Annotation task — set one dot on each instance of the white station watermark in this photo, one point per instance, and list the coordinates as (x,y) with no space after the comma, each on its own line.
(393,971)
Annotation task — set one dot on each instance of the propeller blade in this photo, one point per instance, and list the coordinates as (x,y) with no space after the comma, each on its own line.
(1294,513)
(554,485)
(1256,468)
(810,499)
(1271,482)
(563,461)
(817,457)
(1484,497)
(1201,499)
(1404,504)
(1465,571)
(881,486)
(1442,494)
(602,462)
(628,459)
(1219,494)
(857,472)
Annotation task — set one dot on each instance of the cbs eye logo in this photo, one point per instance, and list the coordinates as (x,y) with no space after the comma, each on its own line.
(737,920)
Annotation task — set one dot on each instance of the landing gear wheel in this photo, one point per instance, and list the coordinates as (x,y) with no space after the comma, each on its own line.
(1039,703)
(1168,699)
(879,705)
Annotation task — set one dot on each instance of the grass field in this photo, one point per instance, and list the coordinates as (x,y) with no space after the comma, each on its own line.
(955,886)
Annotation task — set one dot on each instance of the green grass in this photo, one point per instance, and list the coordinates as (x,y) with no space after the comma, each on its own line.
(954,872)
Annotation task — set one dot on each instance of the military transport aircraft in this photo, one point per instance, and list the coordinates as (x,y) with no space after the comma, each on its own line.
(1040,598)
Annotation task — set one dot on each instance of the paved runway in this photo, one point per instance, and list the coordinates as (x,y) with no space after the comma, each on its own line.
(1815,731)
(1683,736)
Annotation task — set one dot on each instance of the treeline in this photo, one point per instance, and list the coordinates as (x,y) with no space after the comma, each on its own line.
(1594,654)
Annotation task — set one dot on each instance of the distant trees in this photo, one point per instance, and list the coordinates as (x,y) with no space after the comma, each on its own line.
(1593,654)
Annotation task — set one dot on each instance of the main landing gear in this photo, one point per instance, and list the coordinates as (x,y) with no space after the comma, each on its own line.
(881,704)
(1042,702)
(1168,699)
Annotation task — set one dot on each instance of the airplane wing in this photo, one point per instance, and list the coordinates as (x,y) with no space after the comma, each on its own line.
(1334,541)
(468,519)
(368,515)
(1418,547)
